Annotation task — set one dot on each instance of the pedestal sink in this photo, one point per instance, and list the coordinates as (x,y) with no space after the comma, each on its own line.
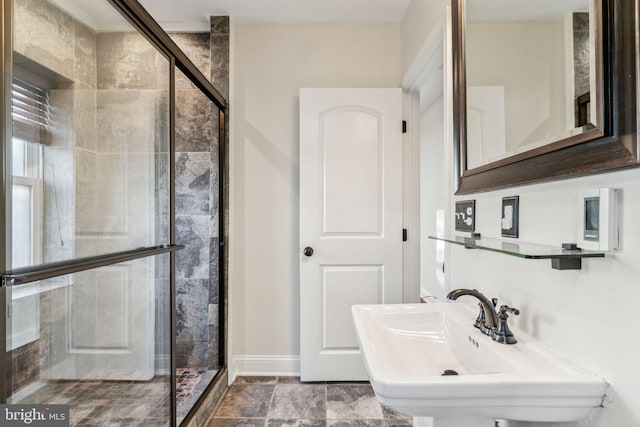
(407,348)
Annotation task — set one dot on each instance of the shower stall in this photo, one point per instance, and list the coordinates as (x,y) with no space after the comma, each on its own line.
(112,260)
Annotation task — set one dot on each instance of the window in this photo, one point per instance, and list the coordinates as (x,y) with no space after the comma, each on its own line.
(30,111)
(30,130)
(27,217)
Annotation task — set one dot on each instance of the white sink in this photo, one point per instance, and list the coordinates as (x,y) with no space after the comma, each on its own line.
(407,347)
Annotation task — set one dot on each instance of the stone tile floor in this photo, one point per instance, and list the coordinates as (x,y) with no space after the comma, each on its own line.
(106,403)
(190,384)
(287,402)
(120,403)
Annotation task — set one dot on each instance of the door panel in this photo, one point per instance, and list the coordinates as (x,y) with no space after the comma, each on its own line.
(351,215)
(344,286)
(351,138)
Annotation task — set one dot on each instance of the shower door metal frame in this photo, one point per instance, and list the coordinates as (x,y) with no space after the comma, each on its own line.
(143,22)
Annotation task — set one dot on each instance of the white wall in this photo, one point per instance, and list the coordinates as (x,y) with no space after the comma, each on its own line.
(432,196)
(590,315)
(270,64)
(422,18)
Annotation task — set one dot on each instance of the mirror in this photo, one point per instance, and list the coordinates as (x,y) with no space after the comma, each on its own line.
(542,90)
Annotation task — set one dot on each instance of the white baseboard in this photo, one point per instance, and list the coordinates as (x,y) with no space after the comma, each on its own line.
(265,365)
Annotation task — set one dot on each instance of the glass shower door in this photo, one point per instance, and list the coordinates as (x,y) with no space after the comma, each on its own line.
(88,283)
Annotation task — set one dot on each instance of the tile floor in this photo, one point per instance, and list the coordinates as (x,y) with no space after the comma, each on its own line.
(130,403)
(190,384)
(107,403)
(287,402)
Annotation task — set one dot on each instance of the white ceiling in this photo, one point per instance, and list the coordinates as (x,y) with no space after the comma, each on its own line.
(193,15)
(188,13)
(523,10)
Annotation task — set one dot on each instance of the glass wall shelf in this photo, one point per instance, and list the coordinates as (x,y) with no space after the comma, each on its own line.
(561,259)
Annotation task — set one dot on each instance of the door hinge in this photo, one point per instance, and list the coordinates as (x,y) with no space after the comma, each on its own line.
(404,126)
(404,234)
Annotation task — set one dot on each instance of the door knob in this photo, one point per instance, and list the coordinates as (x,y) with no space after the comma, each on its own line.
(308,251)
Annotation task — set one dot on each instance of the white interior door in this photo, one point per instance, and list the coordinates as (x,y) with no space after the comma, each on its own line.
(350,217)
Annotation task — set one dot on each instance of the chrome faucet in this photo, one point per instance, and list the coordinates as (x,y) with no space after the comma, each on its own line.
(487,320)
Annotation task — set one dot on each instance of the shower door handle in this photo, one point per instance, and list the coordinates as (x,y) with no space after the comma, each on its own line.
(308,251)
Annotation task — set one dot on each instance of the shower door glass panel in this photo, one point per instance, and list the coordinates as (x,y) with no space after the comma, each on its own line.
(88,328)
(197,227)
(94,94)
(91,133)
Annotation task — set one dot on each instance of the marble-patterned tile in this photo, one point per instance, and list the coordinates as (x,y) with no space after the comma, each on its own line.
(111,184)
(85,55)
(220,25)
(399,423)
(237,422)
(192,311)
(128,61)
(214,270)
(580,21)
(215,197)
(192,262)
(356,423)
(45,34)
(127,121)
(86,183)
(214,312)
(390,414)
(298,401)
(246,401)
(23,363)
(194,125)
(277,422)
(213,352)
(162,137)
(61,130)
(352,402)
(289,380)
(349,383)
(192,184)
(191,353)
(220,63)
(141,188)
(84,116)
(257,379)
(197,48)
(581,54)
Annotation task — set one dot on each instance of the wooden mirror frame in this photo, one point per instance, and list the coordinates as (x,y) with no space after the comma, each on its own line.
(611,145)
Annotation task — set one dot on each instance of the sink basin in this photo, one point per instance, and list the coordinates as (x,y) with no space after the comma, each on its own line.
(407,347)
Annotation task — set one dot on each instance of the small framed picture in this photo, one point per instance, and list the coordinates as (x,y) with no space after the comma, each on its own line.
(466,216)
(510,212)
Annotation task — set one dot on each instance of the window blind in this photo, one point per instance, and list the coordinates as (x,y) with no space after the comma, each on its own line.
(30,111)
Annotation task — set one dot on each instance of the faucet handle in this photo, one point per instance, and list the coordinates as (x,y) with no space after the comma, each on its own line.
(503,333)
(505,308)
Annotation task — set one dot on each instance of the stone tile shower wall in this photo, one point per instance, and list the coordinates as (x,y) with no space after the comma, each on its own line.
(197,200)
